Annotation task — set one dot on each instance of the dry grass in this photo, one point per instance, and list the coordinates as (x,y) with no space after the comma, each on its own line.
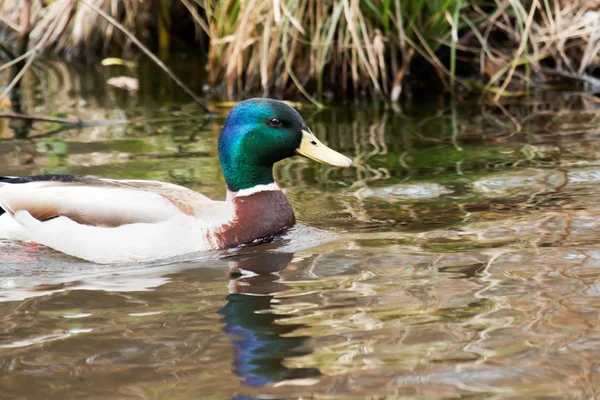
(326,48)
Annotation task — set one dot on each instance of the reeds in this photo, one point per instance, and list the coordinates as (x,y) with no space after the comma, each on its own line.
(340,48)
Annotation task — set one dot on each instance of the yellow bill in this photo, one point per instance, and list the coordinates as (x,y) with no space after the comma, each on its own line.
(311,147)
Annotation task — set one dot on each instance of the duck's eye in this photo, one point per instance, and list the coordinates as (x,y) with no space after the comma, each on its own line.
(275,122)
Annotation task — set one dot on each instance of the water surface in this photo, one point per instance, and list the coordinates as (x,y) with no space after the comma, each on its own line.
(461,257)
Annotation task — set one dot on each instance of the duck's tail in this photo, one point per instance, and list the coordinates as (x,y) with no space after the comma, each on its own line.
(36,178)
(3,179)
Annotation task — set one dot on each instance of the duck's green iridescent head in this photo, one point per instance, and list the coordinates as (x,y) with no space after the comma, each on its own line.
(260,132)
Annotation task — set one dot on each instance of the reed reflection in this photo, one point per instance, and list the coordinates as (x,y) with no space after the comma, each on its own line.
(262,344)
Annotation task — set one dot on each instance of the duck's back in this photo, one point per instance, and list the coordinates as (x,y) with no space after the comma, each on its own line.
(106,220)
(98,202)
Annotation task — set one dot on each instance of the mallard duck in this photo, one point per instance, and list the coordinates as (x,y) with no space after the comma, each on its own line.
(112,221)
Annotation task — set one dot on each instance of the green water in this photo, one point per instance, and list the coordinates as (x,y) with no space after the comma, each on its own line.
(460,258)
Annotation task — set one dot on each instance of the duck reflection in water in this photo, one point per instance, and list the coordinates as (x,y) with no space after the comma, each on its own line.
(262,344)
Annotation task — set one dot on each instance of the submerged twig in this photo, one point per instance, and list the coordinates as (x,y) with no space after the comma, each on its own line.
(75,122)
(18,59)
(146,51)
(18,76)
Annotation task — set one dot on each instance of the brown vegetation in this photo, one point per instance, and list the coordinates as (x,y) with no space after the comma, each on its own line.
(331,48)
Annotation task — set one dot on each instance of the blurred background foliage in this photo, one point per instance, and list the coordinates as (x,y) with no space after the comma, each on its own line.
(330,49)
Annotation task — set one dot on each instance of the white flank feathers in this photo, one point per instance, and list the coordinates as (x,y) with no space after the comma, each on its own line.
(159,227)
(125,243)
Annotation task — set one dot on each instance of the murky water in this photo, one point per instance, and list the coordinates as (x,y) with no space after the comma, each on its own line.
(461,257)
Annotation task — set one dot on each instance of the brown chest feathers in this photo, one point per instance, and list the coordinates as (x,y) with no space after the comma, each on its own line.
(257,216)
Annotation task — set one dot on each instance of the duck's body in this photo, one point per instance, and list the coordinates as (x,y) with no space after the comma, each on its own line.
(109,221)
